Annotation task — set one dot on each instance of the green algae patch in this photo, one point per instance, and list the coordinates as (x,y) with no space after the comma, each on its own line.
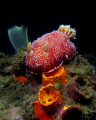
(18,63)
(58,85)
(79,66)
(14,94)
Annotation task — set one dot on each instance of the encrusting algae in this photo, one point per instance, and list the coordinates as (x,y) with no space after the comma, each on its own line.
(52,91)
(21,79)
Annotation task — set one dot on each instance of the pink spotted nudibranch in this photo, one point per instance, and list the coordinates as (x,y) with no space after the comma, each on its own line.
(48,52)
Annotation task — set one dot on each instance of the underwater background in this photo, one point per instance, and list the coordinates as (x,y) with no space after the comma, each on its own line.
(40,22)
(17,99)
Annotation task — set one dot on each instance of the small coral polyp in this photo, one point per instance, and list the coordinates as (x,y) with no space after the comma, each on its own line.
(49,97)
(48,52)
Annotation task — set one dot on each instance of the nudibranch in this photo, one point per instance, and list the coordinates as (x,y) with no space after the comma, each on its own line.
(48,52)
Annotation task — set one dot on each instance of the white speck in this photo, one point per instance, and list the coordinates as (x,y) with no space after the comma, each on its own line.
(31,52)
(66,56)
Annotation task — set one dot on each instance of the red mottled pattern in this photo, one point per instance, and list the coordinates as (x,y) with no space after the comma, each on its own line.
(59,49)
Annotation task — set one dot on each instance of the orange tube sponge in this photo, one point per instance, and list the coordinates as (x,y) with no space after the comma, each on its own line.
(49,98)
(55,76)
(41,113)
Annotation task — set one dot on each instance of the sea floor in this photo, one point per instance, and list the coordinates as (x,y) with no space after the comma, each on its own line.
(78,93)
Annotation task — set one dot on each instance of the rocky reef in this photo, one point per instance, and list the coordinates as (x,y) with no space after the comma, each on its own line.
(17,100)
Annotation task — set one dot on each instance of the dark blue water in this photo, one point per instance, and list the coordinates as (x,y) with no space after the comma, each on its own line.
(41,23)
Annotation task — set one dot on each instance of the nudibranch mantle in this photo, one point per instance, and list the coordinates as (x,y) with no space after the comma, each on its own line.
(48,52)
